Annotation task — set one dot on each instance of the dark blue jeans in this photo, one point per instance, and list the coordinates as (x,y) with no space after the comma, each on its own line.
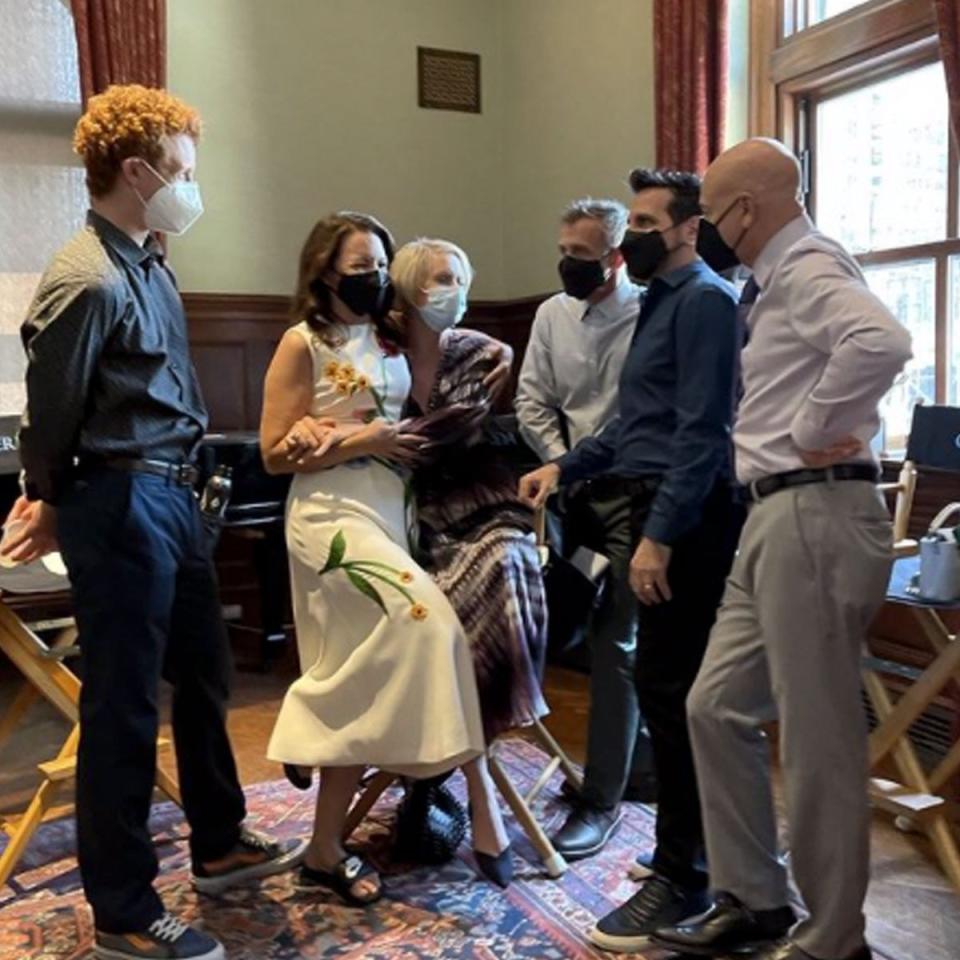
(147,606)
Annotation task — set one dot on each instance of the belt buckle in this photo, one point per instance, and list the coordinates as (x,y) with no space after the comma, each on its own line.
(830,474)
(182,474)
(753,492)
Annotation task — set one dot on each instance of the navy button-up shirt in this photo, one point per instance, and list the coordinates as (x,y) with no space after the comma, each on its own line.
(676,401)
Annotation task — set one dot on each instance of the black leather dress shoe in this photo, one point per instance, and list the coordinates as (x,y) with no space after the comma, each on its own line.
(727,926)
(786,950)
(586,832)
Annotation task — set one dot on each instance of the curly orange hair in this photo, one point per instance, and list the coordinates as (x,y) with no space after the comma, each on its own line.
(128,121)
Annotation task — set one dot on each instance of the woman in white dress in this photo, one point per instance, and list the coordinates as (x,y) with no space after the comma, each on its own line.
(387,677)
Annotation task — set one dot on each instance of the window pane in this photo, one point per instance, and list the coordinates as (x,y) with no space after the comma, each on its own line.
(909,290)
(953,341)
(38,52)
(876,146)
(42,195)
(820,10)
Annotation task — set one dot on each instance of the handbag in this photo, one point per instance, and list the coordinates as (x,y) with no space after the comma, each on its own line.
(431,823)
(939,576)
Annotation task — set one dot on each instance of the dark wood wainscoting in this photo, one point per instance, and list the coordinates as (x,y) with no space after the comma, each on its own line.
(233,337)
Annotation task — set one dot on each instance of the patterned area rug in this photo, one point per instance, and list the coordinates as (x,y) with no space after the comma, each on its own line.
(445,912)
(428,913)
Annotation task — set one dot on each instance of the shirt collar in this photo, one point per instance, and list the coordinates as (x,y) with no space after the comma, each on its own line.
(777,246)
(612,305)
(122,243)
(677,278)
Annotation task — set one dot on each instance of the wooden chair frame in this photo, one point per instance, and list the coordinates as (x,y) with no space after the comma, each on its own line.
(46,676)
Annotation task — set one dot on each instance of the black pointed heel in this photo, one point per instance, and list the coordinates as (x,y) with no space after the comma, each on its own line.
(294,775)
(498,869)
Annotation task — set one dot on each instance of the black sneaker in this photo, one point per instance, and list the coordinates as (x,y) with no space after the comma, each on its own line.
(585,832)
(252,857)
(658,903)
(165,939)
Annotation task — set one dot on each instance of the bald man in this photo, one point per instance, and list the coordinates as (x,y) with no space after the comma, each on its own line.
(810,574)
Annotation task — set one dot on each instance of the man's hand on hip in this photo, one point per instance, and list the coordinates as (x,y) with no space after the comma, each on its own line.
(536,486)
(840,452)
(648,572)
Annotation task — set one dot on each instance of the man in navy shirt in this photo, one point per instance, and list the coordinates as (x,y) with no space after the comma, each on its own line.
(669,447)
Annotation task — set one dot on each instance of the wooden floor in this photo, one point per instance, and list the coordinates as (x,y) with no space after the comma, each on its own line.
(912,912)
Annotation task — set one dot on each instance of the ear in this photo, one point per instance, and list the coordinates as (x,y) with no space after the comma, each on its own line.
(689,230)
(133,171)
(616,258)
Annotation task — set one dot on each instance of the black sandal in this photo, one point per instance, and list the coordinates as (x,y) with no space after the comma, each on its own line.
(293,774)
(341,880)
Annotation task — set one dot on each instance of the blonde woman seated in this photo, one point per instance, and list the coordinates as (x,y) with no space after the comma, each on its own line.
(476,537)
(388,680)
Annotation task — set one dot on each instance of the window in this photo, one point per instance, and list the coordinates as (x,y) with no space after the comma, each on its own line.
(872,147)
(862,99)
(42,195)
(801,14)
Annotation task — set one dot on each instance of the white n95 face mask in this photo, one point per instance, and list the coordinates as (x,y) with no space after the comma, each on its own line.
(444,308)
(174,208)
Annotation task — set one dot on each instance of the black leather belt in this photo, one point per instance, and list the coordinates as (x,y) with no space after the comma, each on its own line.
(756,490)
(184,474)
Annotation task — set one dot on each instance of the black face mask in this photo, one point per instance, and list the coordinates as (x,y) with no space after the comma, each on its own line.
(715,251)
(643,251)
(581,277)
(366,294)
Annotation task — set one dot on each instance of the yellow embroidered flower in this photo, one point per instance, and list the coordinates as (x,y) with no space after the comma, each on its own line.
(363,382)
(331,369)
(418,611)
(347,371)
(406,577)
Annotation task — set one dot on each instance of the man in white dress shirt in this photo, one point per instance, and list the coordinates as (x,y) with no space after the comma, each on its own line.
(568,391)
(811,572)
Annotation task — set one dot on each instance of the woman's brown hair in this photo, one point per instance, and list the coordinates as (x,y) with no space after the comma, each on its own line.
(311,302)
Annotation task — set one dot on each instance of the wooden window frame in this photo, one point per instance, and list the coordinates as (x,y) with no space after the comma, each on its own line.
(792,69)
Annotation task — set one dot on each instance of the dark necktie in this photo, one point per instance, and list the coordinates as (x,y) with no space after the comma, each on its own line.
(748,296)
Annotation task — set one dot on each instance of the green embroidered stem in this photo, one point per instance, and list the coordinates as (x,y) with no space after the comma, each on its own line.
(361,573)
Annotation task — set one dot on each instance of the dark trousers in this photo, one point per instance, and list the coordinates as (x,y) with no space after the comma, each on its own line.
(618,745)
(146,603)
(671,641)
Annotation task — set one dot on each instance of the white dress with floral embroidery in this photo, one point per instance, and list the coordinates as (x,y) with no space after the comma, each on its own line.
(388,679)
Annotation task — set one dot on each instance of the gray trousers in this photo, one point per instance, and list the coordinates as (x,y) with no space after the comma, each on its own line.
(618,746)
(810,575)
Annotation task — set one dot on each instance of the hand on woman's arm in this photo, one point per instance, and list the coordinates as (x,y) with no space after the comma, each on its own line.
(292,441)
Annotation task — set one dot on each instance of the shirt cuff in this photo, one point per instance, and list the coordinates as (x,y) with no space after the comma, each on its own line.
(662,529)
(806,434)
(571,469)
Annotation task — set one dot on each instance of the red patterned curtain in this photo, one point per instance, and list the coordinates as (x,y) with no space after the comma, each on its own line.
(948,23)
(690,49)
(120,41)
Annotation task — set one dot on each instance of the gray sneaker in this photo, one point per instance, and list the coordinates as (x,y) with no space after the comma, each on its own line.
(254,856)
(165,939)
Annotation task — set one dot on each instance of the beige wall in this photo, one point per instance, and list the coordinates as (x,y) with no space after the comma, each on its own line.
(310,106)
(578,86)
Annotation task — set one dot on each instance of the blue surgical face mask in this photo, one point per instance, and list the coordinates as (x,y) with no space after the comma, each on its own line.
(444,308)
